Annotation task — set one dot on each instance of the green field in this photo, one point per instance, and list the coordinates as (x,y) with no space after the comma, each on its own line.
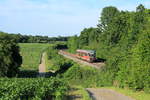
(31,54)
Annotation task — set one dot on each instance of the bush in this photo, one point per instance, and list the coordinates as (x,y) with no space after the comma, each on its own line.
(86,76)
(59,63)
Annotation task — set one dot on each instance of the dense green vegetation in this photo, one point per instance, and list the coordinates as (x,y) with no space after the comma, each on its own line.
(32,89)
(31,54)
(57,62)
(10,59)
(85,76)
(123,39)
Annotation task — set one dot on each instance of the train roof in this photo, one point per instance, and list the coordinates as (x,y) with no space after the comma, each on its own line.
(86,51)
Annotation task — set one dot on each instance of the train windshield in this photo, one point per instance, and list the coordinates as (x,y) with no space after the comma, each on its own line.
(92,55)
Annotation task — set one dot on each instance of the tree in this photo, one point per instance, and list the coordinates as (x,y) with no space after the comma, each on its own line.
(140,8)
(106,22)
(84,37)
(107,16)
(73,44)
(10,59)
(139,21)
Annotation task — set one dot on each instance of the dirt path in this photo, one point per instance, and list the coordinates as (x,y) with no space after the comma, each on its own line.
(68,55)
(106,94)
(42,66)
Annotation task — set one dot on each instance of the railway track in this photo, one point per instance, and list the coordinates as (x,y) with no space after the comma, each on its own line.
(68,55)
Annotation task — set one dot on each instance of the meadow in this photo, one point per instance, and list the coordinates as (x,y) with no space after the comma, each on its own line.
(31,54)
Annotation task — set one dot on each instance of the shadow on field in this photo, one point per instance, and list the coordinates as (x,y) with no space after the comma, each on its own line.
(27,74)
(33,74)
(46,74)
(63,68)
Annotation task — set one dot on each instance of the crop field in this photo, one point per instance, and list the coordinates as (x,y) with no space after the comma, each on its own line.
(31,54)
(32,89)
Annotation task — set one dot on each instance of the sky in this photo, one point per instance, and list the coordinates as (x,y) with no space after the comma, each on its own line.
(56,17)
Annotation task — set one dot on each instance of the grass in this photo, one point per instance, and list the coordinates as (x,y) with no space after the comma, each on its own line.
(137,95)
(48,64)
(78,93)
(31,54)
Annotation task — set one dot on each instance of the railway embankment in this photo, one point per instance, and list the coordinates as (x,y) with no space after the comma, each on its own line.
(68,55)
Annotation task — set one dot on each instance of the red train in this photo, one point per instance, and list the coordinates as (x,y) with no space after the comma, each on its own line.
(87,55)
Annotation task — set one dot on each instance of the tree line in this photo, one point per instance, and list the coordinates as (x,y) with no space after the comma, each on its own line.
(36,39)
(123,39)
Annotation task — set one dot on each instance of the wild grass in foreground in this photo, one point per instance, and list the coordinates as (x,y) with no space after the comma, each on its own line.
(77,93)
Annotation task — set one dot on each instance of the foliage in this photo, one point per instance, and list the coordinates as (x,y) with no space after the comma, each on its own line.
(60,45)
(58,63)
(73,43)
(10,59)
(32,89)
(107,16)
(86,76)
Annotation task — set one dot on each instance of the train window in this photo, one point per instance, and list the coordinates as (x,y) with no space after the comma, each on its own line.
(92,55)
(84,54)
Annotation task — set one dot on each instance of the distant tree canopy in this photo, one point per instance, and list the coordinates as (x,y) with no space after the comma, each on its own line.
(123,38)
(37,39)
(107,16)
(10,59)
